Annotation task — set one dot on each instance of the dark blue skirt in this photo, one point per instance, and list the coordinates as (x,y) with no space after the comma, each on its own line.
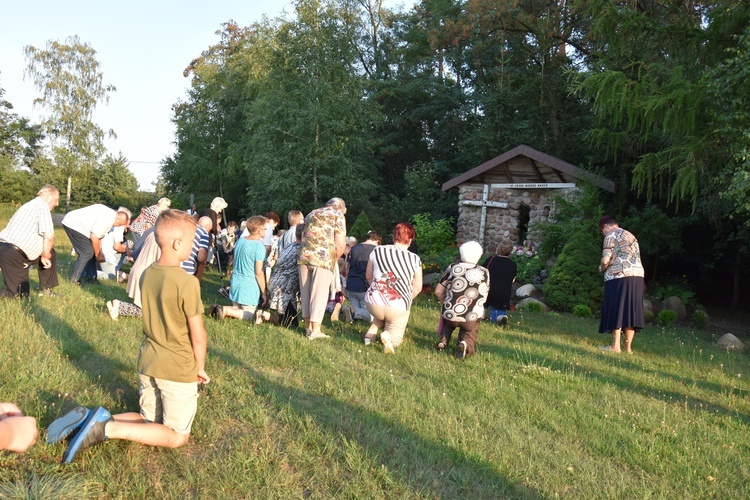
(623,304)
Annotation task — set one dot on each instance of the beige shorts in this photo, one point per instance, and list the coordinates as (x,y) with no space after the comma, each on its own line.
(248,312)
(173,404)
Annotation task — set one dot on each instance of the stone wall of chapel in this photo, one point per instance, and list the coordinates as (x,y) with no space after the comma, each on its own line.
(502,223)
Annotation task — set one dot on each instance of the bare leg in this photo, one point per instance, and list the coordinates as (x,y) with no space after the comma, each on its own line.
(372,332)
(131,427)
(629,334)
(616,340)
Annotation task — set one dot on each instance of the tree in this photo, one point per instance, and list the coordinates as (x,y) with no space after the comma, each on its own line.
(70,82)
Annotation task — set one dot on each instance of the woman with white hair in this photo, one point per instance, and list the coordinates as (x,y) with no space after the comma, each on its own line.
(463,290)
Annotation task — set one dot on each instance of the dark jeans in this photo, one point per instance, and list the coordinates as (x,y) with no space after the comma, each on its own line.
(85,265)
(15,268)
(468,332)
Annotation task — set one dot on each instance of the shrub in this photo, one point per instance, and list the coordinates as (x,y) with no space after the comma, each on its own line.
(433,236)
(700,318)
(667,317)
(582,311)
(575,280)
(528,262)
(679,289)
(531,307)
(361,227)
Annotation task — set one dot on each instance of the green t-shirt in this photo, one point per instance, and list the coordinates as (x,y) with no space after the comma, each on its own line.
(169,296)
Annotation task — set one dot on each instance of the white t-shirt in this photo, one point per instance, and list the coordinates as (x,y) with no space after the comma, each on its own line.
(94,219)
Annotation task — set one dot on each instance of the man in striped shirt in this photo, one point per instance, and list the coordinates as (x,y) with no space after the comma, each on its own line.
(28,239)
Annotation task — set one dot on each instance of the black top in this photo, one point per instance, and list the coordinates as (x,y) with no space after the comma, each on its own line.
(359,255)
(502,272)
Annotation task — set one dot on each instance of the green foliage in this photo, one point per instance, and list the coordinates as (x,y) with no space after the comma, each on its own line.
(529,264)
(700,319)
(582,311)
(531,306)
(667,317)
(571,210)
(574,279)
(71,84)
(361,227)
(433,236)
(678,288)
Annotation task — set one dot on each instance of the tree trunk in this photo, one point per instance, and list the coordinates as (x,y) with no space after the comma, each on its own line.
(67,195)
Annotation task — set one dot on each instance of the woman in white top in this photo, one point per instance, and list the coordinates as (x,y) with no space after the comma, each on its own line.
(395,277)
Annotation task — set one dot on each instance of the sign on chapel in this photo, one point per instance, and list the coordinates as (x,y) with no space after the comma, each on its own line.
(503,197)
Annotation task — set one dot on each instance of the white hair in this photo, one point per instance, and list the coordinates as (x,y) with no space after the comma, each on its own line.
(471,252)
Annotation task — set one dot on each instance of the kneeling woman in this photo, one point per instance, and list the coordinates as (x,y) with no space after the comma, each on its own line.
(395,277)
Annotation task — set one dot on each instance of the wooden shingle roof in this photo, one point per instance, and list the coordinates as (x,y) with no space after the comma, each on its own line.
(525,165)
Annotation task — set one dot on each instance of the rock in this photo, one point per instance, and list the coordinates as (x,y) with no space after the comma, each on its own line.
(525,291)
(675,304)
(730,342)
(647,304)
(431,279)
(648,315)
(528,300)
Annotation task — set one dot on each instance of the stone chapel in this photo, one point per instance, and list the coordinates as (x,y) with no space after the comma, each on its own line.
(505,196)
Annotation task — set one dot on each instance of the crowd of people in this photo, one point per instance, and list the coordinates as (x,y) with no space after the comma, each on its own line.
(278,277)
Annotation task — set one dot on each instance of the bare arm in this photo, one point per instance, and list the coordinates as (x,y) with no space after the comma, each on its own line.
(339,241)
(202,256)
(49,242)
(199,339)
(368,272)
(96,243)
(260,277)
(17,432)
(440,292)
(416,283)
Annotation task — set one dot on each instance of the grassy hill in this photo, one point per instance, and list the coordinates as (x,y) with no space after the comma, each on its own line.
(539,412)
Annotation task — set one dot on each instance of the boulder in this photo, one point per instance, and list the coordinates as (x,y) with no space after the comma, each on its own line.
(647,304)
(527,300)
(675,304)
(431,279)
(648,315)
(730,342)
(525,291)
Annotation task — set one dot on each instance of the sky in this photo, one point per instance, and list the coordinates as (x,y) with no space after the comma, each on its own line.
(143,48)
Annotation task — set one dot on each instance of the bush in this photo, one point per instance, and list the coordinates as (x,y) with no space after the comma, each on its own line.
(361,227)
(582,311)
(529,264)
(433,236)
(531,307)
(679,289)
(667,317)
(700,318)
(574,280)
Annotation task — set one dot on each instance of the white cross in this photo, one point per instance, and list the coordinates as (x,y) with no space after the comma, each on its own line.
(484,203)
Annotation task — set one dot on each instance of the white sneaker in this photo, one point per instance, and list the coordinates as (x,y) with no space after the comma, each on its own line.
(113,306)
(317,335)
(461,350)
(368,341)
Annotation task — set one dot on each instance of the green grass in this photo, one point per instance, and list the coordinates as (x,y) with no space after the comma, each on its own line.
(539,412)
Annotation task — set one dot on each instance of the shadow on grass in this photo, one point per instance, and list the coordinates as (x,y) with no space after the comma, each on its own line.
(100,370)
(624,383)
(424,465)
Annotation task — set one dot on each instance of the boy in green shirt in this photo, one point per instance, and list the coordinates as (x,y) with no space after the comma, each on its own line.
(171,360)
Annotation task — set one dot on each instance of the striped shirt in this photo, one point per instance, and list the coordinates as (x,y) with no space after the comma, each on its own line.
(200,241)
(393,272)
(27,227)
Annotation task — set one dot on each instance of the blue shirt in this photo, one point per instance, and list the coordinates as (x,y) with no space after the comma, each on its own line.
(244,288)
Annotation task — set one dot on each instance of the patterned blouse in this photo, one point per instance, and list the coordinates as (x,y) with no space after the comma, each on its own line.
(624,253)
(393,271)
(318,244)
(466,289)
(148,216)
(284,284)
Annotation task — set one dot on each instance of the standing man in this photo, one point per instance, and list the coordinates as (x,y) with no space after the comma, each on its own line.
(86,227)
(28,239)
(323,243)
